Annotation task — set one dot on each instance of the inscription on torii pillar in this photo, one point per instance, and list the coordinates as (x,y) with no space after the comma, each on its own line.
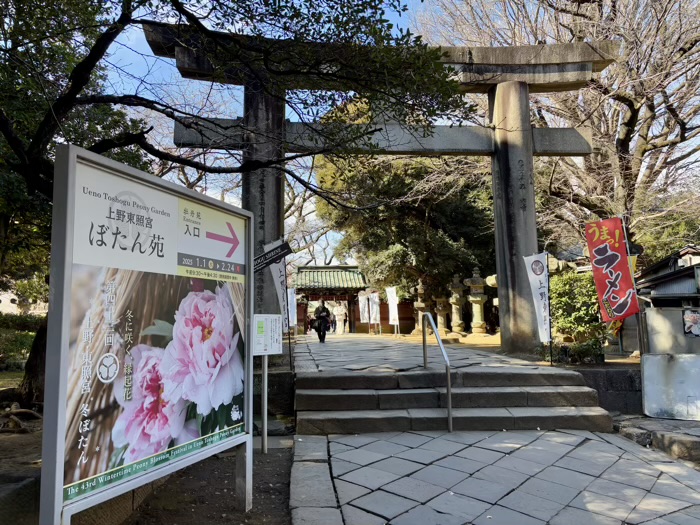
(506,74)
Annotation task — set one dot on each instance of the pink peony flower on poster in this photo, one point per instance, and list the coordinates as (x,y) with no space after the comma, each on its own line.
(201,363)
(148,422)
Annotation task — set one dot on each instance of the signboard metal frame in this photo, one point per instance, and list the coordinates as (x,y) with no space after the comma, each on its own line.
(53,509)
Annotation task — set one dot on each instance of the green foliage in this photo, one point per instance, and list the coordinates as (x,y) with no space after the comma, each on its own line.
(403,230)
(21,322)
(588,352)
(32,290)
(574,306)
(14,349)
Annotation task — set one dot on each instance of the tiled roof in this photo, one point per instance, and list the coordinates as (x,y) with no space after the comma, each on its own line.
(329,278)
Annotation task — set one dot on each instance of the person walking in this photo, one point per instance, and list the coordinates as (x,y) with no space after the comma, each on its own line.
(322,315)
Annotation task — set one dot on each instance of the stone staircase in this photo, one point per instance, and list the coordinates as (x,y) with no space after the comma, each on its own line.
(483,398)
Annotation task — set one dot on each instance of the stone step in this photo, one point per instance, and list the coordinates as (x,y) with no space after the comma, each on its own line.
(512,418)
(481,376)
(462,397)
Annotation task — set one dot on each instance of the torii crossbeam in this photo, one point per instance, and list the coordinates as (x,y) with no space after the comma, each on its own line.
(506,74)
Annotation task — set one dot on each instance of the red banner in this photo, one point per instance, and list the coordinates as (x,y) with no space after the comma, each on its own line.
(611,270)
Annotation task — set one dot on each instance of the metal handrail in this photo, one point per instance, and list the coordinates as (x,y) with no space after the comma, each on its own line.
(428,317)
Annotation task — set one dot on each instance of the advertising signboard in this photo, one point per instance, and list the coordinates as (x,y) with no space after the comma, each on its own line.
(607,245)
(148,361)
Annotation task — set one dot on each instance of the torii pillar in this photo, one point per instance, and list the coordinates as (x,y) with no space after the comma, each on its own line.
(514,212)
(263,188)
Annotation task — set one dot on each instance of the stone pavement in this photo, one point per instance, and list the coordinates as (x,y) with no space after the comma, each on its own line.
(372,353)
(565,477)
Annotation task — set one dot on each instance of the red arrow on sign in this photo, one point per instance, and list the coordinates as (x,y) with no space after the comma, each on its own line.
(233,240)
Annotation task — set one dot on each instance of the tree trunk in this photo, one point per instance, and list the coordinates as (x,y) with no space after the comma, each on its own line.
(31,389)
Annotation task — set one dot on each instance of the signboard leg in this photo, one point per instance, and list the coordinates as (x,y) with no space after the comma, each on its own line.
(244,475)
(263,409)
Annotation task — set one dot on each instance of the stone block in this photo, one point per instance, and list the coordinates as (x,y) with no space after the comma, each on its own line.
(384,504)
(549,490)
(386,448)
(348,491)
(530,505)
(482,419)
(677,445)
(633,402)
(443,445)
(481,489)
(519,376)
(440,476)
(640,436)
(502,476)
(614,401)
(498,515)
(572,516)
(562,396)
(408,398)
(354,516)
(422,515)
(595,378)
(458,505)
(415,489)
(369,477)
(409,439)
(622,380)
(426,379)
(398,466)
(485,397)
(428,418)
(311,486)
(421,455)
(334,399)
(316,516)
(340,467)
(569,478)
(349,380)
(601,504)
(552,418)
(310,448)
(352,421)
(360,456)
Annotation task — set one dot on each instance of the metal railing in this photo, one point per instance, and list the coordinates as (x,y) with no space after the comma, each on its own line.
(428,317)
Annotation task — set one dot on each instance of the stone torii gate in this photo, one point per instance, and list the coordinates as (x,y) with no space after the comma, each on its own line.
(507,75)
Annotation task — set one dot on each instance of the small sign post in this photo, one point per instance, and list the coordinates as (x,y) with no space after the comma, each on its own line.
(268,341)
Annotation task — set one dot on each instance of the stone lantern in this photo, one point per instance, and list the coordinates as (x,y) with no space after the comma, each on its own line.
(457,300)
(442,307)
(477,298)
(421,306)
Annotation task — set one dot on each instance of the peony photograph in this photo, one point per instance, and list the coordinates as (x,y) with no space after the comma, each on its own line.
(156,362)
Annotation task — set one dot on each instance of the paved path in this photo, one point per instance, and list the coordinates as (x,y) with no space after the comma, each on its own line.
(565,477)
(367,353)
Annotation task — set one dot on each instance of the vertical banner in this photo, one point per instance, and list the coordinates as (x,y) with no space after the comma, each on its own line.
(393,301)
(374,308)
(292,306)
(279,277)
(364,308)
(538,275)
(607,246)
